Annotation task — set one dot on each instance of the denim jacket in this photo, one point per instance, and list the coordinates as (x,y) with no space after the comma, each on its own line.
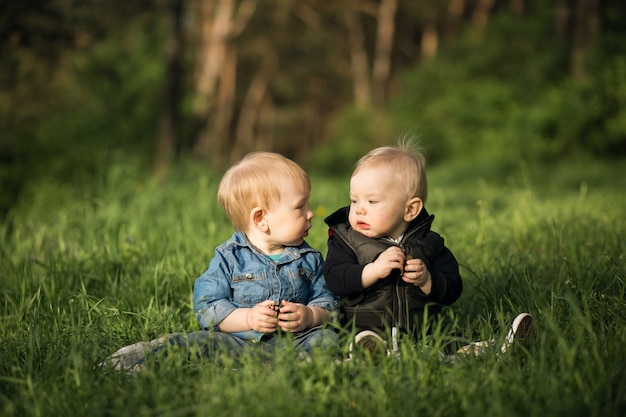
(241,276)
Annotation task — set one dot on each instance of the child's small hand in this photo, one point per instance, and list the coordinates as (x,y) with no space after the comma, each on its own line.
(263,318)
(294,317)
(392,258)
(416,273)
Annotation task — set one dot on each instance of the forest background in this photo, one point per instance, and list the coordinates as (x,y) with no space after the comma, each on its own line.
(84,83)
(117,119)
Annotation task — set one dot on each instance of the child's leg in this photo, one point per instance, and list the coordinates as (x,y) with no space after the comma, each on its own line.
(209,342)
(129,357)
(522,330)
(318,337)
(477,348)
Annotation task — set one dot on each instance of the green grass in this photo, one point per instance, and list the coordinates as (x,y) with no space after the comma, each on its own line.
(87,270)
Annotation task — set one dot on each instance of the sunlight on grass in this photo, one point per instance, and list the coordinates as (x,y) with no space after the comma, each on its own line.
(86,271)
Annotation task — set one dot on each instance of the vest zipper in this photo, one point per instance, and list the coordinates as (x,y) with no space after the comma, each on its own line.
(400,302)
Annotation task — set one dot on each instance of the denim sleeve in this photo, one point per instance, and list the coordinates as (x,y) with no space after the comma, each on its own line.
(212,294)
(320,294)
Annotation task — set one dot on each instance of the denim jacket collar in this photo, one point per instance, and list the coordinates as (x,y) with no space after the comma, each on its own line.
(289,253)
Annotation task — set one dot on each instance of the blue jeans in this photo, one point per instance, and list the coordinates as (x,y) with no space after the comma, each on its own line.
(207,342)
(210,344)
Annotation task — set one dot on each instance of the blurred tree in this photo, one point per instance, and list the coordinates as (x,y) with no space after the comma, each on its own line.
(224,77)
(452,20)
(517,7)
(480,15)
(56,60)
(220,24)
(585,28)
(370,82)
(385,35)
(167,134)
(577,23)
(359,62)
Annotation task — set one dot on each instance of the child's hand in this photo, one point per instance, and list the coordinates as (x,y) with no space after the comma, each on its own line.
(416,273)
(392,258)
(294,317)
(263,318)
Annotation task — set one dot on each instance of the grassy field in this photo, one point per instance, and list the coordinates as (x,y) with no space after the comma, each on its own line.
(87,270)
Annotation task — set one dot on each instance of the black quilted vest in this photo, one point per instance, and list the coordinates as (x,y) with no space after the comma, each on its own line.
(390,302)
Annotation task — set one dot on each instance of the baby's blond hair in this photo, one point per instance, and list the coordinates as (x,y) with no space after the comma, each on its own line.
(256,181)
(406,159)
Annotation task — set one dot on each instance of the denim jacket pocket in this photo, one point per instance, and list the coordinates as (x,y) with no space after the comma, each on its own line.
(250,288)
(306,275)
(300,281)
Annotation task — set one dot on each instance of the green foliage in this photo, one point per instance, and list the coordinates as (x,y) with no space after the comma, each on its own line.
(506,96)
(113,97)
(588,114)
(88,269)
(353,134)
(83,80)
(102,98)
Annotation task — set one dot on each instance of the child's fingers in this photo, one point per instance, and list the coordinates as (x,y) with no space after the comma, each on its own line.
(290,325)
(263,319)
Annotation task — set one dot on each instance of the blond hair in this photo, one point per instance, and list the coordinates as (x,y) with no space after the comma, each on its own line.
(406,160)
(256,181)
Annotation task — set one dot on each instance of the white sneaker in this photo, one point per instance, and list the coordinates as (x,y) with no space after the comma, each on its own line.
(370,342)
(522,330)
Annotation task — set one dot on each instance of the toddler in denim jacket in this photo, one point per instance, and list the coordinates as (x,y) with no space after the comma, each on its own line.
(264,286)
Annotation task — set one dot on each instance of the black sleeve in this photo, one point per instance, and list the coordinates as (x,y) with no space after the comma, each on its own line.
(447,284)
(342,272)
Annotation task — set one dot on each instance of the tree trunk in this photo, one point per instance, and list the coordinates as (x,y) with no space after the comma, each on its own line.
(215,33)
(249,115)
(430,40)
(384,48)
(358,56)
(222,22)
(222,116)
(166,142)
(562,16)
(586,27)
(453,18)
(480,17)
(266,134)
(517,6)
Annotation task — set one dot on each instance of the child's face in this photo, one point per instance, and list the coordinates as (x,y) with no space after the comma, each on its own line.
(377,203)
(290,219)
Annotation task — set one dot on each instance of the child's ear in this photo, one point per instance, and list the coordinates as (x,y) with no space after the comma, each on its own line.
(259,219)
(413,208)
